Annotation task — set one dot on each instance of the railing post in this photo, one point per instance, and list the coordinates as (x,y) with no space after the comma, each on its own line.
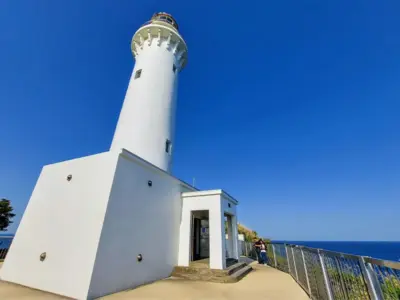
(295,267)
(341,278)
(3,253)
(326,277)
(251,251)
(305,269)
(374,288)
(287,258)
(273,251)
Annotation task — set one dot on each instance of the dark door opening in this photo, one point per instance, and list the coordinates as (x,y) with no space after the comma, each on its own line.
(200,235)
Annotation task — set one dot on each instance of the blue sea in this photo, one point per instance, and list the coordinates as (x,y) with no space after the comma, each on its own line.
(5,241)
(381,250)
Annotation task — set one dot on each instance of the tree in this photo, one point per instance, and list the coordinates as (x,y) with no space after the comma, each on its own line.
(6,214)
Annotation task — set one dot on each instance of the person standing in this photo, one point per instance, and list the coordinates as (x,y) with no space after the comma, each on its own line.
(263,253)
(257,246)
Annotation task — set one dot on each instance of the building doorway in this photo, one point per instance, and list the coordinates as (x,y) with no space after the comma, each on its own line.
(200,241)
(231,239)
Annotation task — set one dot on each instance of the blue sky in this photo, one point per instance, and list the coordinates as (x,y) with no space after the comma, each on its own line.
(290,106)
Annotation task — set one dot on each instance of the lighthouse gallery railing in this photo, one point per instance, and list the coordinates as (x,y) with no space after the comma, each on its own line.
(329,275)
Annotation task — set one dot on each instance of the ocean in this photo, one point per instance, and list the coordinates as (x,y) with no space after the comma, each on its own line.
(5,242)
(381,250)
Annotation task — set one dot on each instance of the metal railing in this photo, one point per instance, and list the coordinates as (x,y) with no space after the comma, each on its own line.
(5,242)
(329,275)
(247,249)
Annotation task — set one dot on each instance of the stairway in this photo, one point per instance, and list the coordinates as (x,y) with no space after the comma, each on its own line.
(199,270)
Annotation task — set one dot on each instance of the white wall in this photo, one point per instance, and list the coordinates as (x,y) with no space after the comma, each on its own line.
(140,220)
(94,226)
(231,210)
(147,117)
(212,203)
(63,219)
(229,207)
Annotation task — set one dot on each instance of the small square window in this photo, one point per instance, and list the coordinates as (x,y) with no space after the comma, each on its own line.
(174,68)
(168,146)
(138,74)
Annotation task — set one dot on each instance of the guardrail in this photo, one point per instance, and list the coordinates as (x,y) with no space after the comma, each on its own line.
(5,242)
(329,275)
(247,249)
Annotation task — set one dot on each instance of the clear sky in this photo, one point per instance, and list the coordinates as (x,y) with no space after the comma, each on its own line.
(290,106)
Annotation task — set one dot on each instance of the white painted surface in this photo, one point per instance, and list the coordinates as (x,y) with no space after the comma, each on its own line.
(210,193)
(214,201)
(147,118)
(63,219)
(229,208)
(140,220)
(93,227)
(217,238)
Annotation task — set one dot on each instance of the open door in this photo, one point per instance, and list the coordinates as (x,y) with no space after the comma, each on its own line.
(200,242)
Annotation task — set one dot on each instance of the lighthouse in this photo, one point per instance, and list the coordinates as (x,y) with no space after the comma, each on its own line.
(147,119)
(91,224)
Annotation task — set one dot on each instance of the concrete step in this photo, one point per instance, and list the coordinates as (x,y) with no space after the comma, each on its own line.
(233,274)
(239,274)
(232,269)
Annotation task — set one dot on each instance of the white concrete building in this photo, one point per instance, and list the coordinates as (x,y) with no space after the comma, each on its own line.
(112,221)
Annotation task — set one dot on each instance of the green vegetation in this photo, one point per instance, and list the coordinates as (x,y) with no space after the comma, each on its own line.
(391,287)
(249,235)
(356,287)
(270,255)
(354,284)
(6,214)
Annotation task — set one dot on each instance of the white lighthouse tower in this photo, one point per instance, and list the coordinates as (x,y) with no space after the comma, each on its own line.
(146,122)
(91,224)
